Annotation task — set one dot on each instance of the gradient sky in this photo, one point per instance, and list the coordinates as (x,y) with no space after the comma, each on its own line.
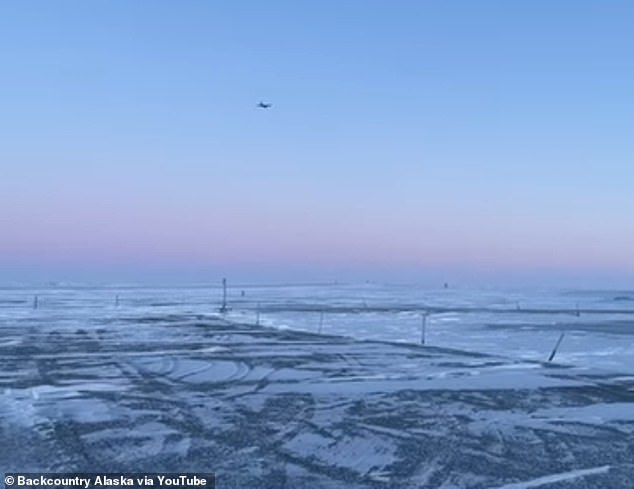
(407,138)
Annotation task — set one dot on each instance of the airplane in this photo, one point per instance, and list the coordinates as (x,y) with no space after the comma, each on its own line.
(262,105)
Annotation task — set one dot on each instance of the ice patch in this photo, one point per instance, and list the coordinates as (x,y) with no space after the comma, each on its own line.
(364,455)
(550,479)
(18,409)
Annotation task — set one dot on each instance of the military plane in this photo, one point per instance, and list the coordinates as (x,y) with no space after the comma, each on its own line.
(262,105)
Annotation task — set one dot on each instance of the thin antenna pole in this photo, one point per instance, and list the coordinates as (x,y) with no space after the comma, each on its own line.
(423,327)
(116,301)
(35,302)
(257,315)
(321,320)
(223,308)
(552,355)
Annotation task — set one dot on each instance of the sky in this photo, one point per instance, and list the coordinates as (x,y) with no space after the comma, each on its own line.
(414,140)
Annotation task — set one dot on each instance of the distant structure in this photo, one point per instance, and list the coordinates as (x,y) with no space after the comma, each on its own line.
(446,285)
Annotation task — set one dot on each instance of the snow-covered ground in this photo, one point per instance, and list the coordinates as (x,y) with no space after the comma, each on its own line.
(516,323)
(160,381)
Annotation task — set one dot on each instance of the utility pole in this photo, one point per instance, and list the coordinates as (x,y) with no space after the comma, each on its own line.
(552,355)
(423,327)
(223,308)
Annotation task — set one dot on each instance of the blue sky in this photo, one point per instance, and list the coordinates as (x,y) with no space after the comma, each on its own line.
(407,139)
